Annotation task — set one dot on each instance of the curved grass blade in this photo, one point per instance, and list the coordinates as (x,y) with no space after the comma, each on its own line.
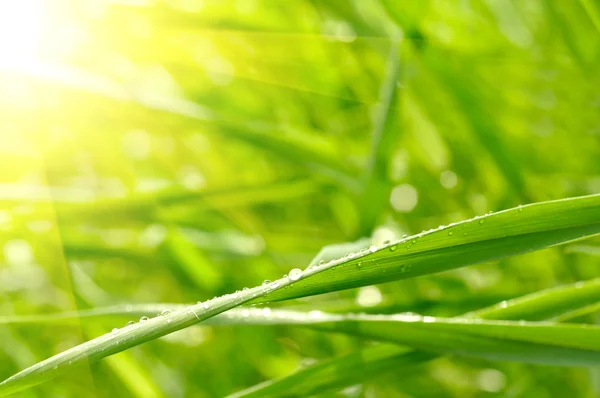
(491,237)
(346,370)
(487,238)
(127,337)
(361,364)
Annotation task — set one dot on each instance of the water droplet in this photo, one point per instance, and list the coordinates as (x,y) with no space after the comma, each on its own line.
(372,248)
(165,312)
(144,319)
(386,242)
(295,274)
(130,323)
(115,331)
(465,234)
(450,233)
(168,321)
(481,221)
(414,241)
(266,282)
(351,255)
(322,262)
(244,289)
(359,264)
(205,305)
(404,236)
(393,248)
(520,209)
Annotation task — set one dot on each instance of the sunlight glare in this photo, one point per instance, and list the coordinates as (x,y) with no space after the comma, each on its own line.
(20,28)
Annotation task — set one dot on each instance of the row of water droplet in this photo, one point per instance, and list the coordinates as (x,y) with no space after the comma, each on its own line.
(296,273)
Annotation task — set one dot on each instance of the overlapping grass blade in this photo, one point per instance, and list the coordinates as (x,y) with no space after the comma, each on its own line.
(487,238)
(268,139)
(493,236)
(530,342)
(560,302)
(125,338)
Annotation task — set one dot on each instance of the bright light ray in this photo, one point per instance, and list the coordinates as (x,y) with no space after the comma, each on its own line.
(20,28)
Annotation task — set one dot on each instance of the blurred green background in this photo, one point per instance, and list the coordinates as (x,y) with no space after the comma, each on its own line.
(171,151)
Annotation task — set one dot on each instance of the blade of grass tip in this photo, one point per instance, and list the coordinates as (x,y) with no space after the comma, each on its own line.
(337,250)
(383,137)
(130,336)
(491,237)
(575,314)
(370,362)
(505,233)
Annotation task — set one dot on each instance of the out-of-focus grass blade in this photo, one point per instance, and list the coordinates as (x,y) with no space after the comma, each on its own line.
(272,141)
(372,361)
(503,234)
(529,342)
(593,10)
(143,204)
(339,372)
(584,249)
(383,137)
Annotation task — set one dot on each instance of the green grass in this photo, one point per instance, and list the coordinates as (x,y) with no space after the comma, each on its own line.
(428,169)
(490,237)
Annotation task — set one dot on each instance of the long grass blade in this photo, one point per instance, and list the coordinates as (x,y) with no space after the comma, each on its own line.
(487,238)
(558,303)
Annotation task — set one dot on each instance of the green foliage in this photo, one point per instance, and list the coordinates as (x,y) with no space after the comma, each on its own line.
(409,160)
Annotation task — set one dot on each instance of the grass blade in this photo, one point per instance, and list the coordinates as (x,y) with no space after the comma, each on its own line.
(503,234)
(529,342)
(125,338)
(370,362)
(494,236)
